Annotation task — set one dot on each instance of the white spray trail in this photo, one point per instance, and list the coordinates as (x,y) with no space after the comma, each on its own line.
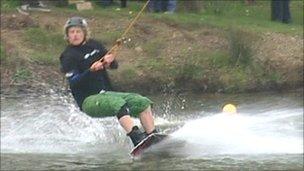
(270,132)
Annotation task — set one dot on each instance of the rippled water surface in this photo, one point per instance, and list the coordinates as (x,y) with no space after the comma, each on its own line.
(48,132)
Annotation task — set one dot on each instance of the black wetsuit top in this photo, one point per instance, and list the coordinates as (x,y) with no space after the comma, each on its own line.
(76,62)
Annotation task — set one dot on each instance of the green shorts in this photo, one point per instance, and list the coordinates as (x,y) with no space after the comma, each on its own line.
(109,103)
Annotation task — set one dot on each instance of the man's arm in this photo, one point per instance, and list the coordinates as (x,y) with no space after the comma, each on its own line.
(75,77)
(71,71)
(109,61)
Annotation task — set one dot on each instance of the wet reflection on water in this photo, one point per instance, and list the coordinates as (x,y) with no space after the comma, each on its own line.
(49,132)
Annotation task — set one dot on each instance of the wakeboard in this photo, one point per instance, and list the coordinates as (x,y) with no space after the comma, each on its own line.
(146,143)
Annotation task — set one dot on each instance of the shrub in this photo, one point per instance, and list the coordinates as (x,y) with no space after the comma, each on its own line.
(239,48)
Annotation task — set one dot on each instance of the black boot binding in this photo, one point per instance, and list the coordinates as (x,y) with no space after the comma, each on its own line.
(154,131)
(136,135)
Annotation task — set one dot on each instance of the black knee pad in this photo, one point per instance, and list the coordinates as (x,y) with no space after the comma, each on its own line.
(124,110)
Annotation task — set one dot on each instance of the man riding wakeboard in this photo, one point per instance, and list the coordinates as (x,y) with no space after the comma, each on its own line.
(90,84)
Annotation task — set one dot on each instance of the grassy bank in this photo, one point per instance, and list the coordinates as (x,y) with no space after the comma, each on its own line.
(228,46)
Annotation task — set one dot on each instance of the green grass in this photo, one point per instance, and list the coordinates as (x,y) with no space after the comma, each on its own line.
(239,48)
(219,59)
(239,80)
(47,46)
(7,5)
(238,15)
(2,53)
(113,12)
(129,74)
(191,65)
(154,47)
(39,37)
(153,65)
(232,69)
(22,74)
(108,37)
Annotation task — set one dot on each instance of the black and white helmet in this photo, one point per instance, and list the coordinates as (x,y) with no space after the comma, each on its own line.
(76,21)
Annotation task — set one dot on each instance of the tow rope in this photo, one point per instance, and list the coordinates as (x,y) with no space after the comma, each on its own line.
(122,38)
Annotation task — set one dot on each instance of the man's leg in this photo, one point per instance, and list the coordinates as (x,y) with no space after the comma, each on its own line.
(171,6)
(147,120)
(286,18)
(123,3)
(127,123)
(106,2)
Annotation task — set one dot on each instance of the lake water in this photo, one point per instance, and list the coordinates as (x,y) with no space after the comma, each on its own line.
(47,132)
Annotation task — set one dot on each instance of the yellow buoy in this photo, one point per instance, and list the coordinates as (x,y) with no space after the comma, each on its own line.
(229,108)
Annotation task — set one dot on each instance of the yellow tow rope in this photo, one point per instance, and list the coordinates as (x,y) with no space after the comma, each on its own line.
(118,42)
